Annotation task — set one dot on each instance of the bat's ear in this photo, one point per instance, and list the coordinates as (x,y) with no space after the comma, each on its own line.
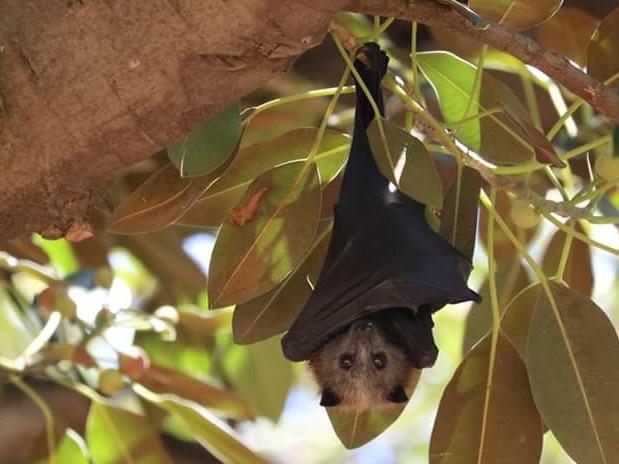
(397,395)
(329,398)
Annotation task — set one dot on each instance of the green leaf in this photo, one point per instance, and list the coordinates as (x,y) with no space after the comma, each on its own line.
(357,428)
(161,379)
(209,144)
(266,235)
(17,334)
(261,375)
(516,14)
(275,311)
(208,430)
(487,414)
(573,366)
(459,216)
(419,178)
(60,254)
(603,51)
(117,435)
(453,80)
(71,449)
(254,160)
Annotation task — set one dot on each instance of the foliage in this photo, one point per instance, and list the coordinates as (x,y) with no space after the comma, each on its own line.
(538,354)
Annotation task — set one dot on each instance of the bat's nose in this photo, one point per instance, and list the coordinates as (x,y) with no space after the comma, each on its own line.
(362,325)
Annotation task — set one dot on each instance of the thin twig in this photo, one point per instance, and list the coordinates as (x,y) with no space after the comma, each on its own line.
(601,97)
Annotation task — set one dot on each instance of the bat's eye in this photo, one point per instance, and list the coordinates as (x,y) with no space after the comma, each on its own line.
(346,361)
(379,360)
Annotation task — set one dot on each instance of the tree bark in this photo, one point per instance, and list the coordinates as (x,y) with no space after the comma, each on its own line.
(89,87)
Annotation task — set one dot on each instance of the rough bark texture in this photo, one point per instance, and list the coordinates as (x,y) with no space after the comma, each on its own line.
(89,87)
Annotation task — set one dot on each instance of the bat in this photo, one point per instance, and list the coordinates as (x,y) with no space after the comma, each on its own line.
(368,322)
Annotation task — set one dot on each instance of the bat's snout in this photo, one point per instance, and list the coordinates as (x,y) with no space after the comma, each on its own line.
(362,325)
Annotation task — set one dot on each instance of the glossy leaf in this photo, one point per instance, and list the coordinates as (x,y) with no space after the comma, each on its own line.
(275,311)
(261,375)
(357,428)
(208,430)
(254,160)
(209,144)
(578,268)
(71,449)
(254,253)
(516,14)
(161,379)
(568,33)
(400,151)
(602,54)
(453,80)
(487,414)
(573,366)
(117,435)
(459,215)
(160,201)
(511,278)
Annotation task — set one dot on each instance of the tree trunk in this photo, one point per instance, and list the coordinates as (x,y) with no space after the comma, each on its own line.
(89,87)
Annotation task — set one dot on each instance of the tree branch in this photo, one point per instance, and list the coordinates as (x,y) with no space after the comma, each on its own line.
(557,67)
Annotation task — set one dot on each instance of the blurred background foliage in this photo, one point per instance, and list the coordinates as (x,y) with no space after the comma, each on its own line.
(110,350)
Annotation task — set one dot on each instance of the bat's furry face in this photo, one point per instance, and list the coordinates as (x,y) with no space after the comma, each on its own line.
(360,369)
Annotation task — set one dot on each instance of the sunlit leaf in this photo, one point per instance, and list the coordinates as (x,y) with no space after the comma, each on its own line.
(208,430)
(419,178)
(578,272)
(357,428)
(459,215)
(261,375)
(115,435)
(276,223)
(573,366)
(516,14)
(209,144)
(60,253)
(71,449)
(511,278)
(160,379)
(17,333)
(568,33)
(254,160)
(275,311)
(487,414)
(602,54)
(453,80)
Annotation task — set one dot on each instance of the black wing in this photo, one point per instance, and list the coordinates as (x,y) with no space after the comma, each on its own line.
(382,253)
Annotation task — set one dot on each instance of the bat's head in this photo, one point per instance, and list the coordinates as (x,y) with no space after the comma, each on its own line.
(362,368)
